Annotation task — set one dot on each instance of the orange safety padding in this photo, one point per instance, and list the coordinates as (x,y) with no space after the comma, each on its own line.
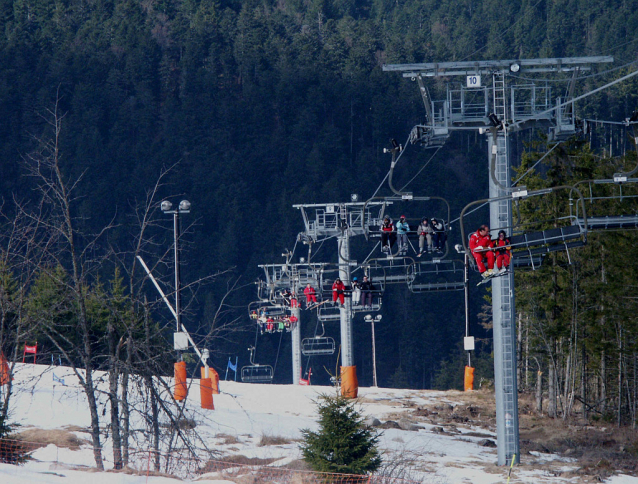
(214,376)
(206,392)
(469,378)
(181,390)
(5,371)
(349,382)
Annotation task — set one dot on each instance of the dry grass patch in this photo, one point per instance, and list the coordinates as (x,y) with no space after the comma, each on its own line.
(229,461)
(273,440)
(60,437)
(228,439)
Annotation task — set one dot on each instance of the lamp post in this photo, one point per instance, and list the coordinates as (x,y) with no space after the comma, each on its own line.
(371,320)
(167,208)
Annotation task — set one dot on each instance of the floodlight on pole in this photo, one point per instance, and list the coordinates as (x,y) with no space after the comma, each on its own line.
(167,208)
(368,318)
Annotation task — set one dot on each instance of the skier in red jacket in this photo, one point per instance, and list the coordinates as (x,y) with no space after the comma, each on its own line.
(338,289)
(479,241)
(311,295)
(503,251)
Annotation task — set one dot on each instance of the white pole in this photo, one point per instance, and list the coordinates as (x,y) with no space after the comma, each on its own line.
(374,357)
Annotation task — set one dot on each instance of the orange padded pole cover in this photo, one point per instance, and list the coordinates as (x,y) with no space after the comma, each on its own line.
(5,372)
(469,378)
(206,392)
(349,382)
(214,377)
(181,390)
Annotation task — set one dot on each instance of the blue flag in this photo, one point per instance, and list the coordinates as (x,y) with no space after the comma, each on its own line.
(59,380)
(231,366)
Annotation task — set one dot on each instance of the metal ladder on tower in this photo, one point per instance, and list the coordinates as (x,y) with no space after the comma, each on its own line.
(503,290)
(500,104)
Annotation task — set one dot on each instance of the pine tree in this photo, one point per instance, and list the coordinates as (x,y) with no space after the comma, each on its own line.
(344,444)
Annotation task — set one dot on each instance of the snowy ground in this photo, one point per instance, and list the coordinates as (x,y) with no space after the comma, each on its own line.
(246,414)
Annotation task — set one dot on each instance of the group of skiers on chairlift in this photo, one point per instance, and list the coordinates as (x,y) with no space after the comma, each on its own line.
(484,249)
(360,291)
(272,324)
(431,232)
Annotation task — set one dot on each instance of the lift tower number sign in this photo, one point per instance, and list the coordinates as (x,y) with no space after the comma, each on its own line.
(473,81)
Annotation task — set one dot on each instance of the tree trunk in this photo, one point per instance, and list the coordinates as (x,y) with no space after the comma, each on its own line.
(126,416)
(551,382)
(603,383)
(89,389)
(539,391)
(566,390)
(620,357)
(151,389)
(527,352)
(583,379)
(113,391)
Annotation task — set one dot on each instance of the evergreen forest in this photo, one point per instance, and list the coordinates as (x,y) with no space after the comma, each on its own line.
(246,108)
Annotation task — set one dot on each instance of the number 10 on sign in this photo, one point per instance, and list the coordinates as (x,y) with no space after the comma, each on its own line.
(473,81)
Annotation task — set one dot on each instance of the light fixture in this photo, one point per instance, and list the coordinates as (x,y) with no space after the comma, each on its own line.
(515,67)
(367,318)
(354,197)
(378,318)
(166,206)
(184,206)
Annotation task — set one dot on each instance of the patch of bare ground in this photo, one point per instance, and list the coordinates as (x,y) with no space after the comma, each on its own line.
(267,439)
(233,460)
(298,465)
(378,401)
(228,439)
(596,451)
(60,437)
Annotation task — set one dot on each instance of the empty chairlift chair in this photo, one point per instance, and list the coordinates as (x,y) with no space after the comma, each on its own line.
(611,203)
(318,345)
(256,373)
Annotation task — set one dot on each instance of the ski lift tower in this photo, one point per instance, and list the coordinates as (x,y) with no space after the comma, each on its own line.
(294,277)
(492,98)
(341,221)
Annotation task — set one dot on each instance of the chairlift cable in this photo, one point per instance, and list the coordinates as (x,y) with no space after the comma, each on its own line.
(597,74)
(470,212)
(277,359)
(534,165)
(389,174)
(422,168)
(521,18)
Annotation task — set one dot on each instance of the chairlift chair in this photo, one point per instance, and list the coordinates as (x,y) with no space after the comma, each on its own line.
(318,345)
(437,276)
(373,224)
(530,243)
(620,191)
(328,312)
(256,373)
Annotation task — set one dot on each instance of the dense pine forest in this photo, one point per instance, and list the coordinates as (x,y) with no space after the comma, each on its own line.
(248,107)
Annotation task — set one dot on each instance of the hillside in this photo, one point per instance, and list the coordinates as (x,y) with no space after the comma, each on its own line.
(251,106)
(428,436)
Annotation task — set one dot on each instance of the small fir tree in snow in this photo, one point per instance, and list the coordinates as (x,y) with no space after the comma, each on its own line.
(343,444)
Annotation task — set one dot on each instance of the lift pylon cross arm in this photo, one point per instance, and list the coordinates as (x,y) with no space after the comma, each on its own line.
(445,69)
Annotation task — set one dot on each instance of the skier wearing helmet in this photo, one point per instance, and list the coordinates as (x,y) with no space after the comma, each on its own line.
(356,291)
(402,232)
